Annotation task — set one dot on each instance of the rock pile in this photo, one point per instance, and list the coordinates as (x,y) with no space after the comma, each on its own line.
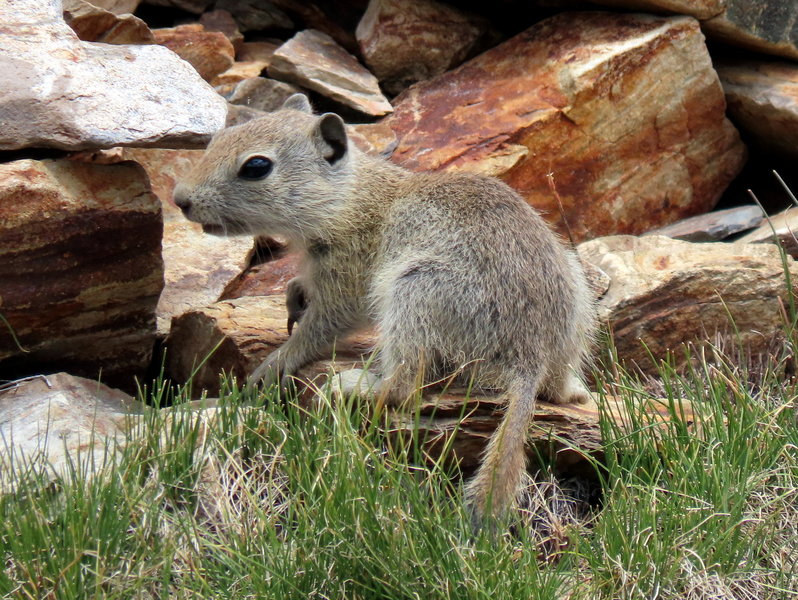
(634,118)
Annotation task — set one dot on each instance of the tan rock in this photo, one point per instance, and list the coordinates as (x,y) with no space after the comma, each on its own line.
(762,100)
(197,266)
(81,269)
(782,227)
(665,293)
(93,24)
(240,71)
(406,41)
(624,111)
(118,7)
(60,92)
(315,61)
(209,52)
(768,26)
(57,424)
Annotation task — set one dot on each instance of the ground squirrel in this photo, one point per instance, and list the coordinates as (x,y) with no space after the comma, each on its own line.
(457,272)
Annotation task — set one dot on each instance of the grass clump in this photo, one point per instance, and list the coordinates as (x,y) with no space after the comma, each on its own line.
(274,501)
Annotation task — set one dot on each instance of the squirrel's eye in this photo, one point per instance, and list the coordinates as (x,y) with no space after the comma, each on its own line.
(256,167)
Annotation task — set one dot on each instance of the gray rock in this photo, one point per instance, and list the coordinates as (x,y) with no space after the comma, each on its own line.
(255,15)
(769,26)
(782,228)
(315,61)
(713,226)
(52,425)
(60,92)
(262,93)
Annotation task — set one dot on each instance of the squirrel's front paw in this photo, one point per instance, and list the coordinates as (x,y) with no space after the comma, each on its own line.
(296,301)
(270,372)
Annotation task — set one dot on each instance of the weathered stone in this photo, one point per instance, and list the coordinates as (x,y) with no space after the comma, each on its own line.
(769,26)
(406,41)
(313,60)
(713,226)
(54,425)
(266,279)
(223,22)
(762,100)
(63,93)
(193,6)
(262,93)
(93,24)
(373,138)
(666,293)
(197,266)
(782,227)
(607,123)
(209,52)
(240,71)
(256,15)
(336,19)
(118,7)
(81,269)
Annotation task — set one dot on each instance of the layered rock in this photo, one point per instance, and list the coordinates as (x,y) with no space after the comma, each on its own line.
(209,52)
(314,60)
(781,228)
(666,293)
(762,100)
(607,123)
(81,269)
(404,42)
(58,424)
(60,92)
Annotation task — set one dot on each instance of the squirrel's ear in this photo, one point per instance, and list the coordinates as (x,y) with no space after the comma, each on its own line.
(331,136)
(298,102)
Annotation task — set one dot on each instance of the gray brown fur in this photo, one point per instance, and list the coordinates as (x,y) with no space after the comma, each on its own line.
(456,271)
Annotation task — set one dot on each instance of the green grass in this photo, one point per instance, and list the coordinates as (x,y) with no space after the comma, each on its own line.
(277,502)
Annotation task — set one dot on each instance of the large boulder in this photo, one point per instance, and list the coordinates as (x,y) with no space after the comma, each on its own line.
(763,101)
(81,269)
(607,123)
(61,92)
(666,293)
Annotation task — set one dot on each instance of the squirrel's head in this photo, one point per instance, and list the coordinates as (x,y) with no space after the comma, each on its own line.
(282,174)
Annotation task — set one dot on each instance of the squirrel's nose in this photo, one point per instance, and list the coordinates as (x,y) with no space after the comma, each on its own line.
(180,197)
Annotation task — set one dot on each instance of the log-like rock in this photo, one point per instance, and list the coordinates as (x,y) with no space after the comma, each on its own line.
(607,123)
(314,60)
(61,92)
(666,293)
(81,269)
(762,100)
(406,41)
(713,226)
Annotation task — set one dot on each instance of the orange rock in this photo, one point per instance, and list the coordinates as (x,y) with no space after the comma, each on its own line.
(209,52)
(624,111)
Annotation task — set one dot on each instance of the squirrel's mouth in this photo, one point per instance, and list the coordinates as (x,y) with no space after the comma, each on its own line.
(213,229)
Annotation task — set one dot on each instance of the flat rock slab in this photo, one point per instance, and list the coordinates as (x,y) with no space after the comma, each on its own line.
(782,227)
(314,60)
(81,269)
(666,293)
(52,425)
(625,112)
(61,92)
(762,100)
(713,226)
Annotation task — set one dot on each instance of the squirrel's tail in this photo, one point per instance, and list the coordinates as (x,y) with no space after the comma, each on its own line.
(495,487)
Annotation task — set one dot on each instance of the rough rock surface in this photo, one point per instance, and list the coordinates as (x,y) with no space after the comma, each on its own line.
(406,41)
(665,293)
(315,61)
(60,92)
(624,111)
(197,266)
(81,269)
(713,226)
(769,26)
(209,52)
(58,423)
(93,24)
(782,227)
(762,100)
